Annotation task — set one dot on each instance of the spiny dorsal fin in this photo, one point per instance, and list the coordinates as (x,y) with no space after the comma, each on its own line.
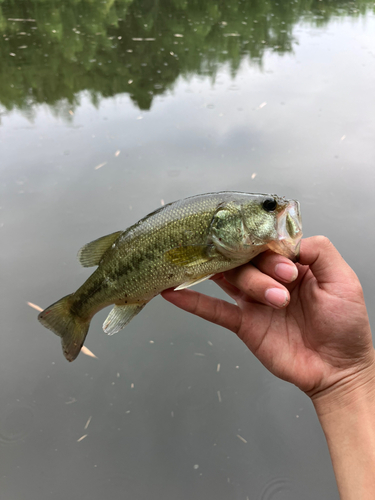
(92,253)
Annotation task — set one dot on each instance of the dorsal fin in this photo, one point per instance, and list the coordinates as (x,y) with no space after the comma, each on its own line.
(92,253)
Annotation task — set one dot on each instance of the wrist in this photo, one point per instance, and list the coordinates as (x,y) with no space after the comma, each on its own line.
(353,391)
(346,412)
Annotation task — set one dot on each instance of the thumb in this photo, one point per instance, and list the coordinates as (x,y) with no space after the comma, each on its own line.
(325,262)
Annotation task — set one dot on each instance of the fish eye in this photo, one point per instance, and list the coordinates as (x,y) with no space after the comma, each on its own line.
(269,204)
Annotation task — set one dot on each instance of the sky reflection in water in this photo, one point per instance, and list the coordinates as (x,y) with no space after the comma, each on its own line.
(108,109)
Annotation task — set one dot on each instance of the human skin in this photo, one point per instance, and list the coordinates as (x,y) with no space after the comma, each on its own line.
(308,324)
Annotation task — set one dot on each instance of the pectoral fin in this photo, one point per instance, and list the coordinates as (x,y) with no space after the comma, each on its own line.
(194,281)
(91,254)
(120,316)
(190,255)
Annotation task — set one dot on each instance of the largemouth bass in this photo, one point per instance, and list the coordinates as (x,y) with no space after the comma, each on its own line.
(178,245)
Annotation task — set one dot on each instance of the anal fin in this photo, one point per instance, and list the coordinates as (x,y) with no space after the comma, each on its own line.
(120,316)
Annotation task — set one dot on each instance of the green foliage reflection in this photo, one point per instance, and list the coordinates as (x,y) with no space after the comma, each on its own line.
(50,51)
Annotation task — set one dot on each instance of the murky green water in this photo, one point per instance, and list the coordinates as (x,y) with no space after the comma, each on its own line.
(108,109)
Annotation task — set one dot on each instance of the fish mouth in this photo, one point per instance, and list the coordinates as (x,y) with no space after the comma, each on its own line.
(289,231)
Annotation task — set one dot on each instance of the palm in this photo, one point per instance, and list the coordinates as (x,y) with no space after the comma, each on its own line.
(293,342)
(313,340)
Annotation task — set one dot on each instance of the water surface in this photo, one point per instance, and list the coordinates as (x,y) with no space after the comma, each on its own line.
(109,110)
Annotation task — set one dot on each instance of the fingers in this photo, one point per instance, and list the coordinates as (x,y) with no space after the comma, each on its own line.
(278,267)
(228,288)
(254,285)
(209,308)
(262,281)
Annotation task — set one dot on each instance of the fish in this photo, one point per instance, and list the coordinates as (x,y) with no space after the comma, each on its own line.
(176,246)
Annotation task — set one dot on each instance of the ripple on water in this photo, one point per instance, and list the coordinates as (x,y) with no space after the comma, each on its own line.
(276,489)
(15,424)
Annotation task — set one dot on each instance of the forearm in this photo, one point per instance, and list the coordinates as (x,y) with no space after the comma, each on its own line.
(348,421)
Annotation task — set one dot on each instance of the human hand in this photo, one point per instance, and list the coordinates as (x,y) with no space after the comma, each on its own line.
(318,335)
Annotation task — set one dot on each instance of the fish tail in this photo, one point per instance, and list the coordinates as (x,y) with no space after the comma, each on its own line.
(59,318)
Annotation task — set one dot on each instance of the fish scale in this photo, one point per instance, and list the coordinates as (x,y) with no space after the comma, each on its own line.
(178,245)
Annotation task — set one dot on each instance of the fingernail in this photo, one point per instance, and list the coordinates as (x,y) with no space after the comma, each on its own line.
(286,272)
(276,297)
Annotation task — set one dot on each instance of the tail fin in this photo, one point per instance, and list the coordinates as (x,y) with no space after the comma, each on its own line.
(72,329)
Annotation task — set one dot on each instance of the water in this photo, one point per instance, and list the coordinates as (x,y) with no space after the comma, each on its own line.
(108,110)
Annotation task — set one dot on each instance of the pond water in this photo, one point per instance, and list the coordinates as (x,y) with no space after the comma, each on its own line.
(108,110)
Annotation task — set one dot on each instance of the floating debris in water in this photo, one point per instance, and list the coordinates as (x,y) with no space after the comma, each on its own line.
(22,20)
(242,439)
(199,354)
(177,35)
(71,112)
(253,175)
(218,367)
(100,165)
(88,423)
(262,105)
(117,152)
(82,437)
(162,202)
(34,306)
(89,353)
(219,396)
(71,401)
(343,137)
(143,39)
